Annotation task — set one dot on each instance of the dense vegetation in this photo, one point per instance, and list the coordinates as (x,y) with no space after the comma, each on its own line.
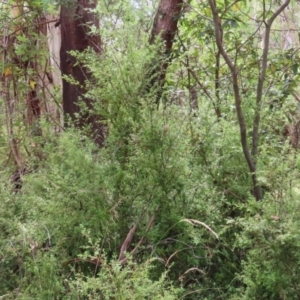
(195,192)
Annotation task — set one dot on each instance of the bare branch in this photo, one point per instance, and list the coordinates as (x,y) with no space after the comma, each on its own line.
(126,243)
(128,240)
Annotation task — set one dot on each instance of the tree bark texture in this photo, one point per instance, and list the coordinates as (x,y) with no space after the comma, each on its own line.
(165,22)
(164,26)
(75,22)
(53,78)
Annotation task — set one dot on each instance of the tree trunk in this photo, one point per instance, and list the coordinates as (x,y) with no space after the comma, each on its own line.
(52,78)
(165,27)
(75,22)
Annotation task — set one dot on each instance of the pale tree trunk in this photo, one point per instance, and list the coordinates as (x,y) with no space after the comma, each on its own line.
(54,45)
(53,79)
(289,27)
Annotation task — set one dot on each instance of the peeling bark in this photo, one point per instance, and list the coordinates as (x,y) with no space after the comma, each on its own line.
(52,77)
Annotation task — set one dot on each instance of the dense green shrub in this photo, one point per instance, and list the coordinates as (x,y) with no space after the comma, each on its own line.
(171,179)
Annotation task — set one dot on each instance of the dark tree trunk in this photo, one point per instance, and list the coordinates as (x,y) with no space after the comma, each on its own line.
(75,22)
(164,26)
(165,22)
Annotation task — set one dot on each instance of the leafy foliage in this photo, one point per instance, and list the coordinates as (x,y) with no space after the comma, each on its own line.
(165,210)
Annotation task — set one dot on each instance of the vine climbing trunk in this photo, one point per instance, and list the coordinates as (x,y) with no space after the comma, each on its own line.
(76,20)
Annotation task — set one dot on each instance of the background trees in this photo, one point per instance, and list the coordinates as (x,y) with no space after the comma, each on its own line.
(166,207)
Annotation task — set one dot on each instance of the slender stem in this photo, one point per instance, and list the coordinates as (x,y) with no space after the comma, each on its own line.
(261,79)
(217,85)
(237,98)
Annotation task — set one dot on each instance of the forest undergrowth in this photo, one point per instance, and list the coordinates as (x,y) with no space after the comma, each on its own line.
(194,193)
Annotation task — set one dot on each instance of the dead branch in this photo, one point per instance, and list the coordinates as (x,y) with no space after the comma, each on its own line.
(128,240)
